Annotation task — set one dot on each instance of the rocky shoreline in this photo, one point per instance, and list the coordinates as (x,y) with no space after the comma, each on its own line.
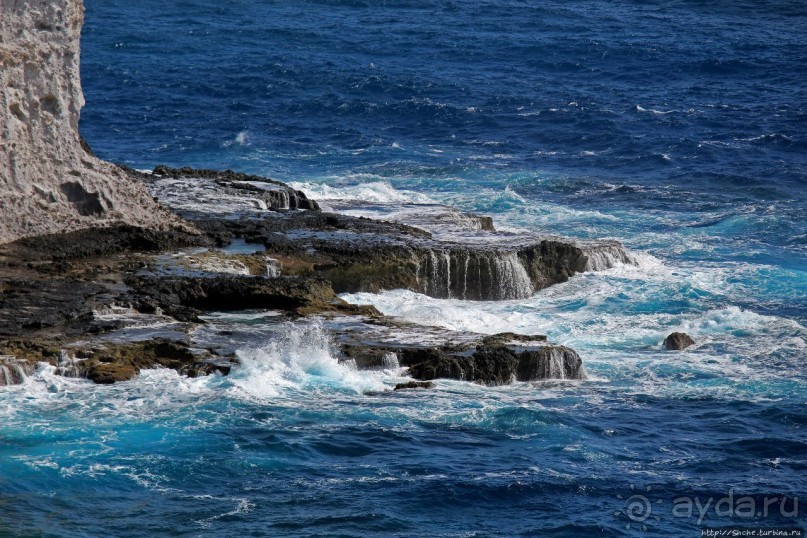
(92,254)
(293,258)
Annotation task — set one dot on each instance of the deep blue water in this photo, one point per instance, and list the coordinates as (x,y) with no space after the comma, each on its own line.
(676,127)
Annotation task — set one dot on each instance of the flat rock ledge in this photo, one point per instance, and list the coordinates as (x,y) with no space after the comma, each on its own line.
(55,289)
(358,254)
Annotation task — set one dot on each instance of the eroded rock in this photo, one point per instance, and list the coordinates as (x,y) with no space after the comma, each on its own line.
(49,182)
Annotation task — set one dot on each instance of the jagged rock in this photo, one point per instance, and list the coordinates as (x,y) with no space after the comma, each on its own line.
(678,341)
(111,362)
(55,282)
(102,361)
(28,305)
(49,182)
(106,374)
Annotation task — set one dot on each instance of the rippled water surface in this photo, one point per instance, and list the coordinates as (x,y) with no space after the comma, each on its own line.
(677,128)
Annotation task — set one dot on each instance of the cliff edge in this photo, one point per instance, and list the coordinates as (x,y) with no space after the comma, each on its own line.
(48,182)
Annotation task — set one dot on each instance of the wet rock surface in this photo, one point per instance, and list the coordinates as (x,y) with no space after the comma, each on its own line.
(678,341)
(13,371)
(358,254)
(185,297)
(411,385)
(104,362)
(244,192)
(495,364)
(432,353)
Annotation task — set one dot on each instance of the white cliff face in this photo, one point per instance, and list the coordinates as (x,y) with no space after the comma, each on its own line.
(48,183)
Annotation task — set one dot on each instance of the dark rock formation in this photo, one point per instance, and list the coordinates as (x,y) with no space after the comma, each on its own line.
(414,385)
(99,242)
(496,365)
(492,360)
(58,281)
(357,254)
(30,304)
(184,297)
(678,341)
(104,362)
(108,373)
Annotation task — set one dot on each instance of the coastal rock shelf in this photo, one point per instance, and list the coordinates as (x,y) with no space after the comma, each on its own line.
(104,303)
(191,192)
(355,253)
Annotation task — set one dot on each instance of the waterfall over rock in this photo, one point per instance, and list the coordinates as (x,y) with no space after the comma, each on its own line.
(14,371)
(550,362)
(478,275)
(496,363)
(606,255)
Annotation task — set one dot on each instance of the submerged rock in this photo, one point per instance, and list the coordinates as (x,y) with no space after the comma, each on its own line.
(414,385)
(678,341)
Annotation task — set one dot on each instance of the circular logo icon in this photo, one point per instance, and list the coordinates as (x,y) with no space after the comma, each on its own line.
(638,508)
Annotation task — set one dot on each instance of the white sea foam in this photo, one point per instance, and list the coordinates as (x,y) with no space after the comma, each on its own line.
(301,358)
(241,139)
(379,192)
(640,108)
(617,319)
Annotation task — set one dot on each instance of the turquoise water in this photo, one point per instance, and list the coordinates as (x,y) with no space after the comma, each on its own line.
(677,128)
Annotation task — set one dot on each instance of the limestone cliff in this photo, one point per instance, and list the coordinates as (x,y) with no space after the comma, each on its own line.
(48,182)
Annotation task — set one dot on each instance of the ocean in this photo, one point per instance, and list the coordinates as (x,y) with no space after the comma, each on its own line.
(676,127)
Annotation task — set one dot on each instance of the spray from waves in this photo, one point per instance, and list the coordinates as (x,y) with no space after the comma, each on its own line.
(241,139)
(299,359)
(640,108)
(373,191)
(302,358)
